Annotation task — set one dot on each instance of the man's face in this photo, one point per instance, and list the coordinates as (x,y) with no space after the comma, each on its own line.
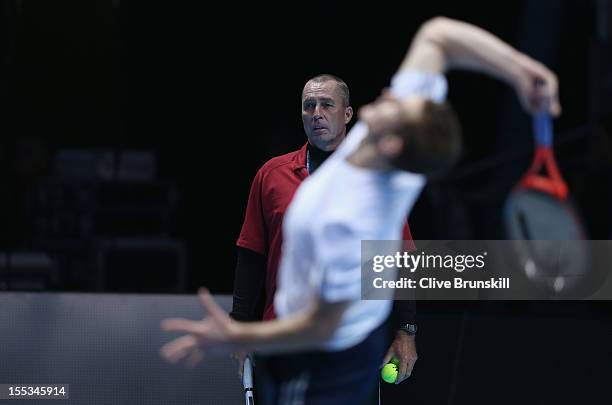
(324,114)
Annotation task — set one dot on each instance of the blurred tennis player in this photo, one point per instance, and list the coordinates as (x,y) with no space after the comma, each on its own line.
(327,343)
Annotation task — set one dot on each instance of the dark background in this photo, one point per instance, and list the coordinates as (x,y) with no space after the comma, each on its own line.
(213,91)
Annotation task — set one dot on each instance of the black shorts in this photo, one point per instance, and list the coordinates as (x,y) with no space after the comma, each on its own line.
(323,377)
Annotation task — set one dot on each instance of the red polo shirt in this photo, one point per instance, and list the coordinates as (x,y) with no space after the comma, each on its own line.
(271,192)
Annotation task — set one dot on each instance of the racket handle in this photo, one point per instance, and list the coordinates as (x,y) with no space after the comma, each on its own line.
(247,374)
(542,128)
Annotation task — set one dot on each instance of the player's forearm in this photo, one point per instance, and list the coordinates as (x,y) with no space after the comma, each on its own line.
(443,44)
(278,335)
(299,331)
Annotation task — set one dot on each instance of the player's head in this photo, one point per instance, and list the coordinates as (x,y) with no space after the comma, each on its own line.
(326,111)
(414,134)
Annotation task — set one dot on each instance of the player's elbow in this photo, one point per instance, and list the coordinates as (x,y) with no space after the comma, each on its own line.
(435,30)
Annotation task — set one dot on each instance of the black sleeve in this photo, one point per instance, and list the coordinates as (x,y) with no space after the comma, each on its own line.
(248,286)
(404,311)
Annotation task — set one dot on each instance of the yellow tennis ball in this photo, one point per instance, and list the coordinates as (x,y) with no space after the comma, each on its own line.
(389,373)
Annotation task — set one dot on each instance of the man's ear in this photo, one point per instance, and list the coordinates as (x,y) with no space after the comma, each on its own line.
(348,114)
(390,145)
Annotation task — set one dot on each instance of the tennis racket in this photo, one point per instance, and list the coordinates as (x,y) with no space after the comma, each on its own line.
(551,245)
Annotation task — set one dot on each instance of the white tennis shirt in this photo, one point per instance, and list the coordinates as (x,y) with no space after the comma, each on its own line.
(332,212)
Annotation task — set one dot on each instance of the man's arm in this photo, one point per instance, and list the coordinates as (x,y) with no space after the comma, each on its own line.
(217,331)
(250,269)
(442,44)
(301,331)
(248,285)
(252,252)
(403,346)
(248,292)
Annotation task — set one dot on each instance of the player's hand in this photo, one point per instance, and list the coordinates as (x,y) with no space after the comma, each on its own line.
(537,88)
(215,332)
(403,348)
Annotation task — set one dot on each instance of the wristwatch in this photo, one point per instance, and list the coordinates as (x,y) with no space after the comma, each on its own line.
(409,328)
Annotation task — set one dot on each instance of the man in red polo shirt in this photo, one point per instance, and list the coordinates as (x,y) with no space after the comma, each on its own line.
(326,111)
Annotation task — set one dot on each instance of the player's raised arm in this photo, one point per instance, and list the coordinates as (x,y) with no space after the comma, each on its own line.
(442,44)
